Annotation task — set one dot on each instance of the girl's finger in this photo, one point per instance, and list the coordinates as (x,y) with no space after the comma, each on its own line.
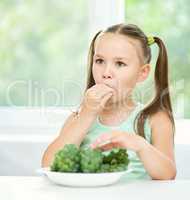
(107,147)
(119,141)
(110,146)
(105,99)
(95,143)
(102,138)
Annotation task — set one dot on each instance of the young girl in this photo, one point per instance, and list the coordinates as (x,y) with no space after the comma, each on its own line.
(119,58)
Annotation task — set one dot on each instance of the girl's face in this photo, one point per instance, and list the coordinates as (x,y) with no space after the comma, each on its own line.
(117,64)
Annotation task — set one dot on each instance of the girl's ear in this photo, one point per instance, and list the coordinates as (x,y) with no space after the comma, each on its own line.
(143,73)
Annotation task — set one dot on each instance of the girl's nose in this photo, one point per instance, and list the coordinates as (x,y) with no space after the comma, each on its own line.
(107,73)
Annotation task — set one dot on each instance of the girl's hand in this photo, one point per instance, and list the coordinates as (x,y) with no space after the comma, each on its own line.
(120,139)
(96,97)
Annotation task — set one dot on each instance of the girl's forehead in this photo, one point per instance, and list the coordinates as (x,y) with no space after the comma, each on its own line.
(115,43)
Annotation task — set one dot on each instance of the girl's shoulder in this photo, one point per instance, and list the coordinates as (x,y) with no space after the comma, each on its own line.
(160,118)
(161,125)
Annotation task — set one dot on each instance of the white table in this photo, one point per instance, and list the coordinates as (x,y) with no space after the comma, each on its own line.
(39,188)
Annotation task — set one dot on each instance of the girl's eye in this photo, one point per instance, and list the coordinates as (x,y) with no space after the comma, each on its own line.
(98,61)
(120,64)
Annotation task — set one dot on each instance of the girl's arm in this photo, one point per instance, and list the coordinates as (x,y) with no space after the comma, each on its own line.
(76,127)
(73,131)
(158,158)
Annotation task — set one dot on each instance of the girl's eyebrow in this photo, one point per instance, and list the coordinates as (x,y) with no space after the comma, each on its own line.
(98,55)
(116,58)
(120,58)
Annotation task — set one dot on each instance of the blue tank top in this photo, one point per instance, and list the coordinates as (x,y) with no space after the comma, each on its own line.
(136,169)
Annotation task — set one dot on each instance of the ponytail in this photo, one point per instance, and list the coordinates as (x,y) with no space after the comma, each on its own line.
(161,100)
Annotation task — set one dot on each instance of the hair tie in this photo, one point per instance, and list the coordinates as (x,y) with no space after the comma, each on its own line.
(150,40)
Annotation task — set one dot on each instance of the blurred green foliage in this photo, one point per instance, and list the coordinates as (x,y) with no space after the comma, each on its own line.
(43,47)
(168,20)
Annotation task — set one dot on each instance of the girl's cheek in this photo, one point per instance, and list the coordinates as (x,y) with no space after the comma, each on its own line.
(97,80)
(96,76)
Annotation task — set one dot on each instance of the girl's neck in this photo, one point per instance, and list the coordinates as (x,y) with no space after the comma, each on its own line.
(115,114)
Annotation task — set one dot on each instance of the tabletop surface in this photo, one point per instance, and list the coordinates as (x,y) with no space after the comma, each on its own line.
(40,188)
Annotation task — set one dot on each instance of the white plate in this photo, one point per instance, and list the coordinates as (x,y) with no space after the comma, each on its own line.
(82,179)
